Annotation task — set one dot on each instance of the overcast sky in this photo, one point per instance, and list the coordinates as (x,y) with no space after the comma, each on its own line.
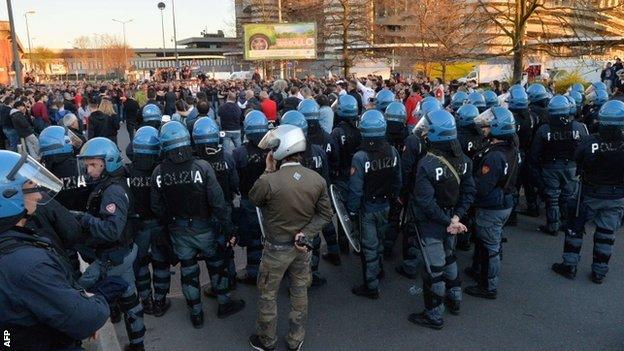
(56,23)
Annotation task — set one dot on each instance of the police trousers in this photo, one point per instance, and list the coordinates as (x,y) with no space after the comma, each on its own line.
(275,263)
(607,216)
(250,236)
(560,184)
(129,303)
(191,238)
(489,232)
(373,227)
(150,252)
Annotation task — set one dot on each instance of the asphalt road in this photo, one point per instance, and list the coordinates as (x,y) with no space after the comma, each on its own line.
(535,309)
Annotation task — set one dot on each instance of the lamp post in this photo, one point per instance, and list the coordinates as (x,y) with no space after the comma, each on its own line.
(16,60)
(28,31)
(175,38)
(161,7)
(123,24)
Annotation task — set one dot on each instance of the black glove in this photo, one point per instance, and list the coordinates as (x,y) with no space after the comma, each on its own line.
(110,287)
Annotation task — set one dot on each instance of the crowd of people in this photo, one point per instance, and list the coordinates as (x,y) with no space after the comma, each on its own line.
(254,163)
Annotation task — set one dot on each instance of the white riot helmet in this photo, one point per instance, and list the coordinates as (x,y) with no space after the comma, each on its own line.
(284,141)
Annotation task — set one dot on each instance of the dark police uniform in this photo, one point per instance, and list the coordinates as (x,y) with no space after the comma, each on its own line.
(108,219)
(250,163)
(188,195)
(75,192)
(40,306)
(375,180)
(552,153)
(601,164)
(526,126)
(438,195)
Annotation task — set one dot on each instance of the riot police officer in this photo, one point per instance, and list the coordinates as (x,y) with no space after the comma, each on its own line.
(468,133)
(109,221)
(495,179)
(600,161)
(151,238)
(57,155)
(458,100)
(315,159)
(41,307)
(152,116)
(250,164)
(443,191)
(383,99)
(374,182)
(186,192)
(552,154)
(206,137)
(348,136)
(477,99)
(538,103)
(491,99)
(595,100)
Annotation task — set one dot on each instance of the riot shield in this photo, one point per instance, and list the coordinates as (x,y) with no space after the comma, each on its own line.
(352,230)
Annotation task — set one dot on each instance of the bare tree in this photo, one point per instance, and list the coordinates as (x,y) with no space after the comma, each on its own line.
(40,58)
(559,28)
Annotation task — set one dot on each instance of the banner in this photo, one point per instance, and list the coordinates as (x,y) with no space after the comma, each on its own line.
(280,41)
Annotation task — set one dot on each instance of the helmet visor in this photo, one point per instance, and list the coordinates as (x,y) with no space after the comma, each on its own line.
(271,140)
(74,139)
(484,119)
(422,127)
(40,180)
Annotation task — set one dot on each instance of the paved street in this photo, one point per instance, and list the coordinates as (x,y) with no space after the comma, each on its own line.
(535,309)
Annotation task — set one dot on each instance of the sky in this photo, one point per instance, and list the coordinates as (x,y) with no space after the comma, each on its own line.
(56,23)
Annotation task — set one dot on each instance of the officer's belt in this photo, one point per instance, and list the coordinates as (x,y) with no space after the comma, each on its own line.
(278,245)
(189,220)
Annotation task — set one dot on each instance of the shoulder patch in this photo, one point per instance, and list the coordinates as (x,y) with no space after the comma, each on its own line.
(296,175)
(111,208)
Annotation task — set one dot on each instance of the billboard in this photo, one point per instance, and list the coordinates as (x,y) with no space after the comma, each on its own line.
(280,41)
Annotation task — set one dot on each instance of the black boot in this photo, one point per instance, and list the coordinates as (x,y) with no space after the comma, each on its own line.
(401,270)
(596,278)
(544,229)
(453,306)
(148,306)
(564,270)
(364,291)
(317,281)
(134,347)
(115,313)
(230,308)
(256,344)
(198,320)
(332,258)
(479,291)
(422,320)
(161,307)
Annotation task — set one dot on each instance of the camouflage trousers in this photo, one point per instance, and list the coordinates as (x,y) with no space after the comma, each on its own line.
(274,264)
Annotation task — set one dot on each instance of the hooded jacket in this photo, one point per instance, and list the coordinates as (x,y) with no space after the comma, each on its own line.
(21,123)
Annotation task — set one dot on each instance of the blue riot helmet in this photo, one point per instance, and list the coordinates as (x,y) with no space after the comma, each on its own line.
(103,149)
(255,126)
(396,112)
(428,105)
(310,109)
(491,99)
(372,125)
(559,109)
(466,115)
(430,98)
(611,114)
(15,171)
(296,119)
(578,99)
(573,108)
(477,99)
(537,92)
(54,140)
(458,100)
(438,125)
(152,113)
(578,87)
(598,97)
(383,99)
(347,107)
(518,98)
(500,121)
(145,148)
(175,142)
(599,86)
(206,131)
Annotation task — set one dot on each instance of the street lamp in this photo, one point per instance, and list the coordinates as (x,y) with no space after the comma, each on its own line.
(175,38)
(161,7)
(28,31)
(123,24)
(16,60)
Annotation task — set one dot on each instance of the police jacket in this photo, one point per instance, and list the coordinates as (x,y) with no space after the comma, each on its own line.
(413,150)
(375,177)
(294,199)
(539,112)
(75,192)
(600,162)
(39,305)
(554,143)
(590,118)
(225,169)
(496,174)
(56,223)
(327,142)
(349,139)
(396,133)
(438,194)
(109,209)
(315,159)
(250,163)
(470,139)
(526,126)
(140,181)
(188,190)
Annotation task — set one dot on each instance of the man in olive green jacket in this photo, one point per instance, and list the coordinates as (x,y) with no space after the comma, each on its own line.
(295,204)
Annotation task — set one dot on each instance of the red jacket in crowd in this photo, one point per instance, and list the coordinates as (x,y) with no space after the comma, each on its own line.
(39,110)
(269,108)
(410,106)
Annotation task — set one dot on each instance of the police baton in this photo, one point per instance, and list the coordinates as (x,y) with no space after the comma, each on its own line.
(578,199)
